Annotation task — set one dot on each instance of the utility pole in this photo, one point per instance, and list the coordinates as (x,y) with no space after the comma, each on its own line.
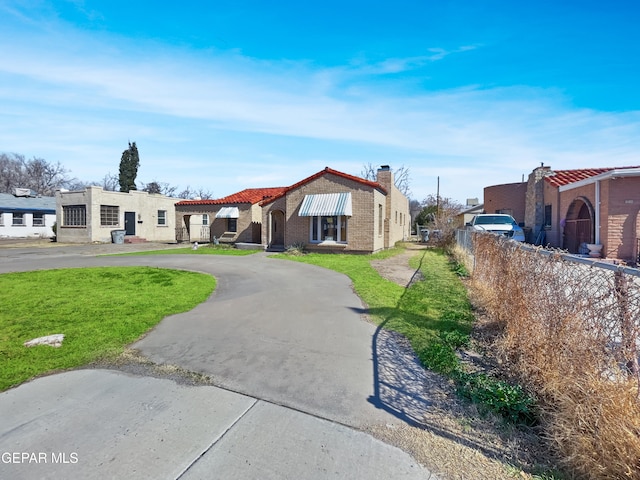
(438,199)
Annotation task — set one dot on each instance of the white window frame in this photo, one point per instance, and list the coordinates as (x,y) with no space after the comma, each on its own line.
(18,220)
(38,220)
(162,218)
(342,228)
(205,219)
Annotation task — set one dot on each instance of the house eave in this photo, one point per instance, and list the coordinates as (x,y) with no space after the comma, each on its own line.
(609,175)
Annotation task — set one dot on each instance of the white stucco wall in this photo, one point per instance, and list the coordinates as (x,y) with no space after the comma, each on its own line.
(27,229)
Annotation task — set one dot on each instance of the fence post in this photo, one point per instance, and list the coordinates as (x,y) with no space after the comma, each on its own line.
(627,327)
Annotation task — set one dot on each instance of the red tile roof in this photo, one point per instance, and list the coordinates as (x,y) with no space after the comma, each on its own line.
(560,178)
(267,195)
(248,195)
(362,181)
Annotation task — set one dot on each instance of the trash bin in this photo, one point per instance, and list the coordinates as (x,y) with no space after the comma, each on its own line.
(117,236)
(424,235)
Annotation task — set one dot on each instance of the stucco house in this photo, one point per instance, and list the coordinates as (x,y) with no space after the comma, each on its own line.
(92,214)
(336,212)
(25,214)
(571,208)
(236,218)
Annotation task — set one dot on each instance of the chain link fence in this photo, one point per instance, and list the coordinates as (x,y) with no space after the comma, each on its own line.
(570,333)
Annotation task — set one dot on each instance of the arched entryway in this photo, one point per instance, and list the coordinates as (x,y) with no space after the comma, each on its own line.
(276,229)
(579,226)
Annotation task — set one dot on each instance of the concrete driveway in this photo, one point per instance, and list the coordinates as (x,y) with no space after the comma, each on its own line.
(290,355)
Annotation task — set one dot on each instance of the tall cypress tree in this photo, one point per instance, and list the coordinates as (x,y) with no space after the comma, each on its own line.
(129,164)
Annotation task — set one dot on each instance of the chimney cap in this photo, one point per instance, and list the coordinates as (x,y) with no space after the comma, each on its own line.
(384,167)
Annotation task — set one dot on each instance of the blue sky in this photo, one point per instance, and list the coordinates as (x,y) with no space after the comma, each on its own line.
(226,95)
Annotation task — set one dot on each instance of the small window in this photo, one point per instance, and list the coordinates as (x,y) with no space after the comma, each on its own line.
(18,219)
(74,215)
(232,224)
(380,219)
(162,217)
(205,220)
(38,219)
(109,215)
(547,216)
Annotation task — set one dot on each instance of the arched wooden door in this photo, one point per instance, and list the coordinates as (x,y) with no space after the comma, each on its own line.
(579,227)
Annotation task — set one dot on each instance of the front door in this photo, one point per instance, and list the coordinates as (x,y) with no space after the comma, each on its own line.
(130,223)
(277,228)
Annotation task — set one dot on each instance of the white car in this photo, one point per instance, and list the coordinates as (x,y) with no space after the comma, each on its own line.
(498,223)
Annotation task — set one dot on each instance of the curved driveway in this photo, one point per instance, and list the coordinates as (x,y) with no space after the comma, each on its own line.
(286,333)
(281,331)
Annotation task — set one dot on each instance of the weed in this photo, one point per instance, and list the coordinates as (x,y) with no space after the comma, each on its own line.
(497,396)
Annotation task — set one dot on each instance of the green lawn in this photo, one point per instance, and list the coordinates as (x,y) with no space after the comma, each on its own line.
(100,310)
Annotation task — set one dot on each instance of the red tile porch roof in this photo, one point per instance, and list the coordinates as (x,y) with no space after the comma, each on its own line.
(560,178)
(248,195)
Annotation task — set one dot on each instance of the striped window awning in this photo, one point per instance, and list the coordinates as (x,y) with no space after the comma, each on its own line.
(228,212)
(326,204)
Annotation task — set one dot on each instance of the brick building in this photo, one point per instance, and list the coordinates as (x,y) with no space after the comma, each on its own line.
(571,208)
(334,211)
(328,211)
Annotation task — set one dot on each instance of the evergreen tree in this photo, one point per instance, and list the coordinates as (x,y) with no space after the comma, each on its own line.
(129,168)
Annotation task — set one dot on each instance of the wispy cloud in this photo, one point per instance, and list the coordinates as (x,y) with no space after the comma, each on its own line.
(67,87)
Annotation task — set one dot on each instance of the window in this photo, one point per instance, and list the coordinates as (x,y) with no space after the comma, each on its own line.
(109,215)
(396,216)
(232,224)
(547,216)
(74,215)
(1,219)
(205,220)
(328,229)
(379,219)
(162,217)
(38,219)
(18,219)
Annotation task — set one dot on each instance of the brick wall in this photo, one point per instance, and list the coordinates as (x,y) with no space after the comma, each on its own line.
(397,210)
(506,197)
(620,199)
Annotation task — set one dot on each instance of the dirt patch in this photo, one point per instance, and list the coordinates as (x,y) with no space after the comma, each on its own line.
(448,435)
(397,268)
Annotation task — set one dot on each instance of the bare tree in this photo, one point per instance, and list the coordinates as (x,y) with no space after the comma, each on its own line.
(161,188)
(402,177)
(36,174)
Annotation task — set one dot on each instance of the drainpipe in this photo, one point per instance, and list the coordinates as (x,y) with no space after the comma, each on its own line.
(597,239)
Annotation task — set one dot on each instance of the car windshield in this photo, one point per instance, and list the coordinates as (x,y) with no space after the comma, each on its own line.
(494,219)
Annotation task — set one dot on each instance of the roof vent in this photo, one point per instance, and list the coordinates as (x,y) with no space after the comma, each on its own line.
(24,192)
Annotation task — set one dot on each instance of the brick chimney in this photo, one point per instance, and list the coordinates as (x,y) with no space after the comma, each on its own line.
(385,177)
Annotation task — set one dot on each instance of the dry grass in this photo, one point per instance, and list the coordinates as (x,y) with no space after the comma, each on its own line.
(569,333)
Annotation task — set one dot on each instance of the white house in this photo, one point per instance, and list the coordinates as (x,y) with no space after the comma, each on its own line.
(25,214)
